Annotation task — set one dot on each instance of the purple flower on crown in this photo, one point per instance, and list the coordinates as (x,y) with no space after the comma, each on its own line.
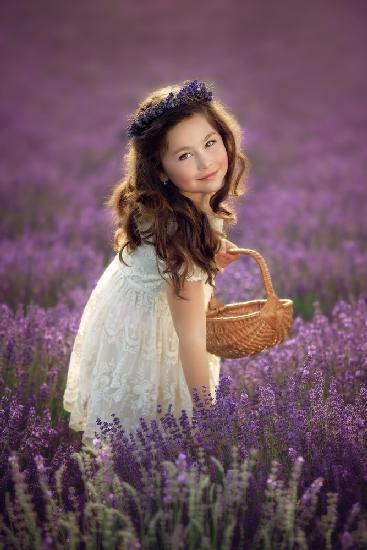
(193,90)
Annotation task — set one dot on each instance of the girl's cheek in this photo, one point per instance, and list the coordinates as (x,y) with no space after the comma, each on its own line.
(223,158)
(185,174)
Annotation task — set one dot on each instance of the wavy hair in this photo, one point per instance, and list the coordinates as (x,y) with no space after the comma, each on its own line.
(182,234)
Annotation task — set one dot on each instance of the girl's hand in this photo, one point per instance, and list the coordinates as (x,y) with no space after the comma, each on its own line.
(223,257)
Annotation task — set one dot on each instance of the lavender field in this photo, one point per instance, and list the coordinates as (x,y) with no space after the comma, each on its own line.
(282,460)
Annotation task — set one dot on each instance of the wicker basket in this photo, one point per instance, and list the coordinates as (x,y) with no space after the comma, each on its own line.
(246,328)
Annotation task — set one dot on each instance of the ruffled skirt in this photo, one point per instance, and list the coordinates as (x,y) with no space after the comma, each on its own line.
(125,359)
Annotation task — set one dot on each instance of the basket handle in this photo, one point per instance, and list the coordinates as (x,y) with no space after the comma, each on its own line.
(216,305)
(268,285)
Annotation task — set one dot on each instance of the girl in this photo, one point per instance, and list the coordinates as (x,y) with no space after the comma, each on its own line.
(142,335)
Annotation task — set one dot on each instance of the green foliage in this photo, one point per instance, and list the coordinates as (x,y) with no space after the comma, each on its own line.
(204,510)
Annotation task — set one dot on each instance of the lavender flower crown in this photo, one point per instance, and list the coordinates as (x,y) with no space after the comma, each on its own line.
(193,90)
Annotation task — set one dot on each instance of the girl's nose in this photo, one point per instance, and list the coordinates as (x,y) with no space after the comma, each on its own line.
(203,162)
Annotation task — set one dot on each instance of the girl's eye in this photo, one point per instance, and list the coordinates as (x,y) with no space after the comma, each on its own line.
(180,157)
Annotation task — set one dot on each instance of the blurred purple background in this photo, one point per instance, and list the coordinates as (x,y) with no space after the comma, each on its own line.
(293,75)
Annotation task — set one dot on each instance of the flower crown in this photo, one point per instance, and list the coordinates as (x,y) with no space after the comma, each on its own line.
(193,90)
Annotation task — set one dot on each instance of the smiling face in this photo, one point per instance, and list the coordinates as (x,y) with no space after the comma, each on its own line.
(194,150)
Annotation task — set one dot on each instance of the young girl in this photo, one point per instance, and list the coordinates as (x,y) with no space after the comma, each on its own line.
(142,335)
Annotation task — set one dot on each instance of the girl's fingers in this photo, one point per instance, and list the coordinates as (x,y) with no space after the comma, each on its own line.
(233,255)
(226,256)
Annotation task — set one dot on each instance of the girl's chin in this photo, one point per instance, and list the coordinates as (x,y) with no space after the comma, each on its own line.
(210,186)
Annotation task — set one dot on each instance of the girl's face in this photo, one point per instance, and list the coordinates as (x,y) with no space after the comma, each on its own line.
(195,149)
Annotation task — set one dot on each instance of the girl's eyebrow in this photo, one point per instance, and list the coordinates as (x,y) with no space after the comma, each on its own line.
(206,137)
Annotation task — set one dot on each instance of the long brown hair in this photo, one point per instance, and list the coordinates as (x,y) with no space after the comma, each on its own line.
(182,234)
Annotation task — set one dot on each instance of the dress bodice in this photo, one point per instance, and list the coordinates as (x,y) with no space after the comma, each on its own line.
(143,263)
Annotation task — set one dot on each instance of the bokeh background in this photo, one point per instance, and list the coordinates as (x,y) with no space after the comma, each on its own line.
(294,76)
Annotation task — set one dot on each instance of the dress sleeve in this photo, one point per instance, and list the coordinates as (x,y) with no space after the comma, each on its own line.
(196,274)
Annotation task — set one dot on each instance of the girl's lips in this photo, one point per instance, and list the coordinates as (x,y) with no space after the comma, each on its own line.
(209,175)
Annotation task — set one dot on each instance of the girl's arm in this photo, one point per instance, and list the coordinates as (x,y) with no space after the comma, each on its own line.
(189,320)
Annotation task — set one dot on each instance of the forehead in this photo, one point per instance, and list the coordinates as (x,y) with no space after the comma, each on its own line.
(188,130)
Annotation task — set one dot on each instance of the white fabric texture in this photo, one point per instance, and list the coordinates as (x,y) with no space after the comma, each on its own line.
(125,358)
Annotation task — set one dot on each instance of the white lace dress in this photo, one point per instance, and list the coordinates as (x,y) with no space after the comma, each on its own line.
(125,359)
